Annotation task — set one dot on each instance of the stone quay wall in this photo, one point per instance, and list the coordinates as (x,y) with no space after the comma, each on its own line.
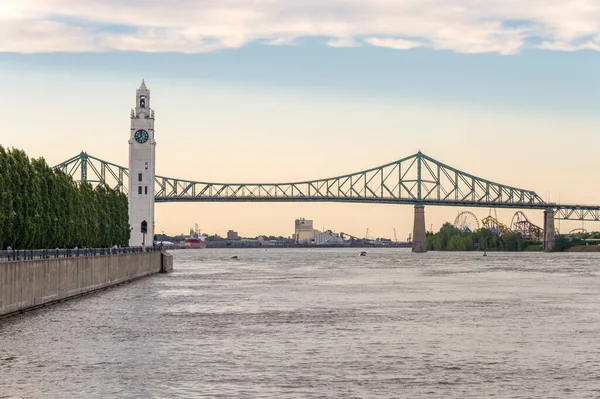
(28,284)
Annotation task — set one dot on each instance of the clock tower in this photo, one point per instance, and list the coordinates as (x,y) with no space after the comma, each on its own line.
(141,170)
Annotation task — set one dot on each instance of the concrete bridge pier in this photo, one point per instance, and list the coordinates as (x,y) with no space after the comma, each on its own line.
(419,243)
(549,236)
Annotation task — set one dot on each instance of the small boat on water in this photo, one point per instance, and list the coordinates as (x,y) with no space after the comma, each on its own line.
(363,253)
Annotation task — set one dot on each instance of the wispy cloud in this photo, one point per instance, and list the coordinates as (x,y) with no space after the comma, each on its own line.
(192,26)
(398,44)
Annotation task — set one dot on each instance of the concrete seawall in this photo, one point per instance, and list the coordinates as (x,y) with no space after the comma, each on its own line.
(31,283)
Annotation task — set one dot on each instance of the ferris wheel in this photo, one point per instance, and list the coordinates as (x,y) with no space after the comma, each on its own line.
(466,221)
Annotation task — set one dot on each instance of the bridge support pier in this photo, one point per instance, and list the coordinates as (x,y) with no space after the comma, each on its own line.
(549,236)
(419,242)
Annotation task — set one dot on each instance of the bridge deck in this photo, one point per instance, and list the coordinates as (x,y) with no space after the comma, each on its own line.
(417,179)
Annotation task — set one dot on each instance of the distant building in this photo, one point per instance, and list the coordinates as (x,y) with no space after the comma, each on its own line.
(328,238)
(232,235)
(304,232)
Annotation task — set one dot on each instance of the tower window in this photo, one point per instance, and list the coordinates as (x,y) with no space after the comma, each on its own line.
(142,101)
(139,177)
(146,189)
(139,189)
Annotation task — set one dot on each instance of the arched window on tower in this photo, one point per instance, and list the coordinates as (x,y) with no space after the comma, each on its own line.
(142,101)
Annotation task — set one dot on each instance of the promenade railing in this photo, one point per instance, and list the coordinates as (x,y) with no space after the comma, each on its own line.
(26,254)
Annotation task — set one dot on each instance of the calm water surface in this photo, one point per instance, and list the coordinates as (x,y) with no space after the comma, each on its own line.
(321,324)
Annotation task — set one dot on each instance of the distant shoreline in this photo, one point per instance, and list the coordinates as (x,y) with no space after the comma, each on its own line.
(300,246)
(579,248)
(584,248)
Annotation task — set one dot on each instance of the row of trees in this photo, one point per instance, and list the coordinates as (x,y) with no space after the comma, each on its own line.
(41,207)
(449,238)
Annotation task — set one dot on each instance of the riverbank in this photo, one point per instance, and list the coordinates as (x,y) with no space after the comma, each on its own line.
(28,284)
(584,248)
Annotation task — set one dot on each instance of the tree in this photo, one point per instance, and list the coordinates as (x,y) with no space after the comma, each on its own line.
(44,208)
(562,243)
(449,238)
(512,241)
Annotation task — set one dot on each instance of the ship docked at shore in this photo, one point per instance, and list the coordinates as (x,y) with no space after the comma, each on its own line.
(195,240)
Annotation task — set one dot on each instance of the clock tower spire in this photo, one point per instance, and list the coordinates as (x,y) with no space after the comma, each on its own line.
(142,148)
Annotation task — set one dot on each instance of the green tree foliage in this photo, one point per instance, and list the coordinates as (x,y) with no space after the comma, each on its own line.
(41,207)
(562,243)
(449,238)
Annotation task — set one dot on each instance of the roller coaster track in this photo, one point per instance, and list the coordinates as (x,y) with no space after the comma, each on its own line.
(578,231)
(520,224)
(491,223)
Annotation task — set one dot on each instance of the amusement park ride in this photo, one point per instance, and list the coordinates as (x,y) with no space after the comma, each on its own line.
(520,224)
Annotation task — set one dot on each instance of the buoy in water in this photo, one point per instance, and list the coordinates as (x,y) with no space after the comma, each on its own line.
(363,253)
(484,253)
(234,257)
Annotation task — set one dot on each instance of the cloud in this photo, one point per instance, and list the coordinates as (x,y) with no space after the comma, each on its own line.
(593,44)
(343,42)
(193,26)
(397,44)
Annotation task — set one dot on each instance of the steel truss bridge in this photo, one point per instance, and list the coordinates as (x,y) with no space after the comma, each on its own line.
(417,179)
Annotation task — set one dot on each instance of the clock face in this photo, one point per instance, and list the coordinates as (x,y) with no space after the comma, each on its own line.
(141,136)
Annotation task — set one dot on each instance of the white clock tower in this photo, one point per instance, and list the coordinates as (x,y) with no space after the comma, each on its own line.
(142,149)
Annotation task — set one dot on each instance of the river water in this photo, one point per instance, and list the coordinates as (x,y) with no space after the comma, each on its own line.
(321,323)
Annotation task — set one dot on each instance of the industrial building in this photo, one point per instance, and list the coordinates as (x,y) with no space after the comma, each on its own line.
(305,234)
(328,238)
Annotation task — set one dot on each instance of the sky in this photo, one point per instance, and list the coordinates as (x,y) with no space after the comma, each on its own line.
(276,91)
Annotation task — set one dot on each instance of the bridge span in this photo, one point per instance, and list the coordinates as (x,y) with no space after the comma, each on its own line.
(417,180)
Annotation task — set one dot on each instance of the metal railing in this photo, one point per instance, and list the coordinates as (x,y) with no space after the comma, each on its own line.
(27,254)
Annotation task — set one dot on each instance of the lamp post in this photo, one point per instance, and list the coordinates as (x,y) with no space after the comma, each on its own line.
(108,233)
(70,243)
(14,215)
(37,218)
(144,230)
(87,244)
(55,229)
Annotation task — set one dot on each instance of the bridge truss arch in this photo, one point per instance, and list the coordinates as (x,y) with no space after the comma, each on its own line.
(416,179)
